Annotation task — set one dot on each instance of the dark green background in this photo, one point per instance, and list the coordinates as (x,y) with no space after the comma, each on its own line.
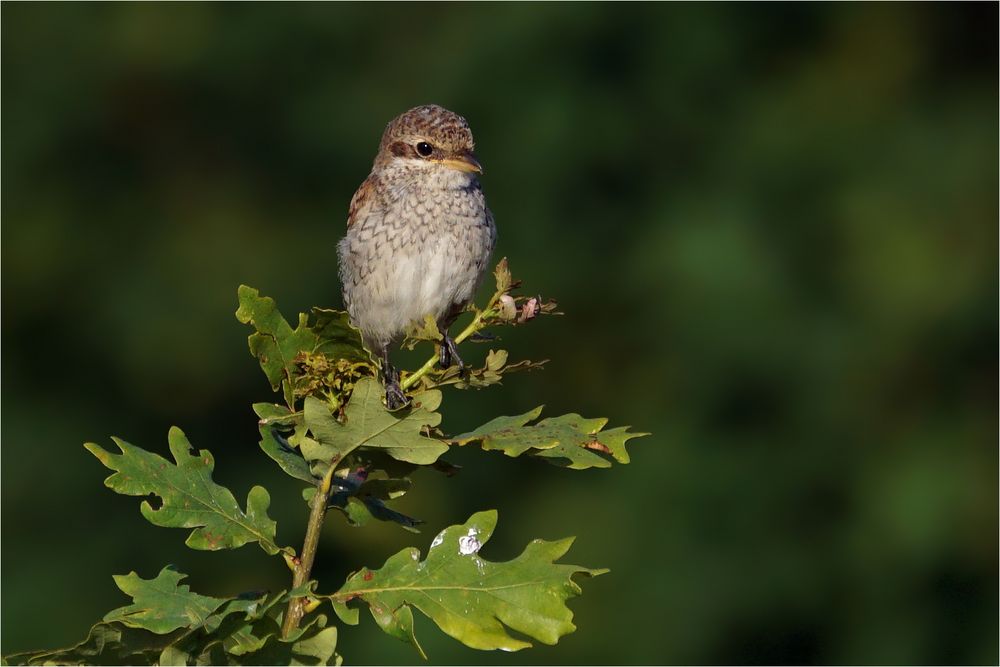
(773,230)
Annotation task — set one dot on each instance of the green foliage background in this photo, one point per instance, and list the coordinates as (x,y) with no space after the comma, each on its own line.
(773,230)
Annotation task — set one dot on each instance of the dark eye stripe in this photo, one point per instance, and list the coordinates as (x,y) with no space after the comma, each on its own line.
(401,149)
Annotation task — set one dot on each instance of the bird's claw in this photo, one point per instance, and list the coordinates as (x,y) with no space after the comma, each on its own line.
(394,396)
(449,354)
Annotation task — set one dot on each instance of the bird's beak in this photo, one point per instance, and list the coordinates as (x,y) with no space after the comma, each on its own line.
(464,162)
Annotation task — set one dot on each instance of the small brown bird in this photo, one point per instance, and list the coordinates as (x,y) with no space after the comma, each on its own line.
(419,235)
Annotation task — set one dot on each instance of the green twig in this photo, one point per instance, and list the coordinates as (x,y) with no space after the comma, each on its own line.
(303,567)
(475,325)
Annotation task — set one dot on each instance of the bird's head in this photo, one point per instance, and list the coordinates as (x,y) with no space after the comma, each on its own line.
(429,138)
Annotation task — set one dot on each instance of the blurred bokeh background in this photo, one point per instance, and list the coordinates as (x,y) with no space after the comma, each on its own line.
(773,231)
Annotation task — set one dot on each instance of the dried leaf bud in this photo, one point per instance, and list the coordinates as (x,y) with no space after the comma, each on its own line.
(529,310)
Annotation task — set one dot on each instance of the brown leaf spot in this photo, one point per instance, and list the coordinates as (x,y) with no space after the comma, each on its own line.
(597,445)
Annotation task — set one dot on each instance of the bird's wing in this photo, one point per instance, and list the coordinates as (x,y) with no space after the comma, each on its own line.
(491,223)
(361,201)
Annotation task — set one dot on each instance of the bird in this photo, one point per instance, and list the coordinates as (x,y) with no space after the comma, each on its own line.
(419,236)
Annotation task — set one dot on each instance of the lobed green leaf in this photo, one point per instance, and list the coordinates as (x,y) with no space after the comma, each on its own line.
(161,605)
(427,330)
(189,498)
(238,631)
(471,599)
(313,644)
(278,347)
(275,343)
(106,644)
(254,638)
(276,425)
(570,440)
(492,372)
(368,424)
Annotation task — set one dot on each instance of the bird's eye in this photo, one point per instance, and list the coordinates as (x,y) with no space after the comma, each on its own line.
(424,149)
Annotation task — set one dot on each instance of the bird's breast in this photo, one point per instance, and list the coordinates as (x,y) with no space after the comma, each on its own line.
(416,254)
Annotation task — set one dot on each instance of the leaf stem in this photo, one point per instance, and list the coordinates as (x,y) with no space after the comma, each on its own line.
(296,610)
(474,326)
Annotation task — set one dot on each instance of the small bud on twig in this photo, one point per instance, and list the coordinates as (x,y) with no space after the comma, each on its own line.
(508,310)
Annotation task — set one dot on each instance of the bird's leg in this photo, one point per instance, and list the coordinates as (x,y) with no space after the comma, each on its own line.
(449,352)
(394,396)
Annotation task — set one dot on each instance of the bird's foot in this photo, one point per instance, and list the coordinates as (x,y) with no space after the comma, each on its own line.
(449,354)
(394,396)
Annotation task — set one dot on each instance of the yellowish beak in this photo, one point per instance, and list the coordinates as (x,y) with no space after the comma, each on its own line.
(463,162)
